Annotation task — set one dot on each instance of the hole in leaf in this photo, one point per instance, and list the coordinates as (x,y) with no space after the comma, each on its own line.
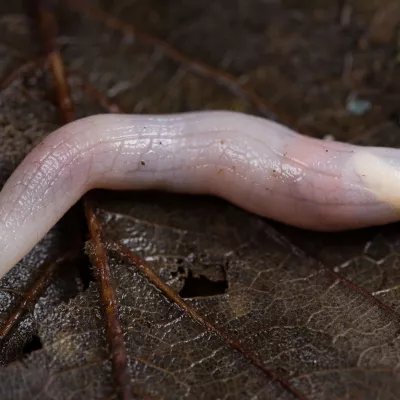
(202,287)
(32,345)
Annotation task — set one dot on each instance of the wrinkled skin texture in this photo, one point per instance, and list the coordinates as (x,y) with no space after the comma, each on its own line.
(354,343)
(257,164)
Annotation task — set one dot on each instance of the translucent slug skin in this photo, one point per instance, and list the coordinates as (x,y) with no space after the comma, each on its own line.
(254,163)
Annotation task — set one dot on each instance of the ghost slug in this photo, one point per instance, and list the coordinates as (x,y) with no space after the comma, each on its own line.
(252,162)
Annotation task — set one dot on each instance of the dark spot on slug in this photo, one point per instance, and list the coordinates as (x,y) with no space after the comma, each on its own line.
(220,171)
(142,162)
(326,150)
(222,142)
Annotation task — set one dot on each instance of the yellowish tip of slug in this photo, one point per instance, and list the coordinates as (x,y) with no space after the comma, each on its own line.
(379,177)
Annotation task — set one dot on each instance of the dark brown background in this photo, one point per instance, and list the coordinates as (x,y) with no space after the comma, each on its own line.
(321,311)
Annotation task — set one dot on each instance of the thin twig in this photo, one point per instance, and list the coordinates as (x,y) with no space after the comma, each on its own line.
(30,297)
(110,305)
(48,28)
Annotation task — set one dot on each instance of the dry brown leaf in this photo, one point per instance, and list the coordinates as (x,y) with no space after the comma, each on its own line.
(313,316)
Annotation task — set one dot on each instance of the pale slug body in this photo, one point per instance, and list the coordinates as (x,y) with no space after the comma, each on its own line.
(257,164)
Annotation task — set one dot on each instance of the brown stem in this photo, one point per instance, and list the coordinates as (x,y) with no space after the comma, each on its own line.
(30,298)
(110,306)
(48,28)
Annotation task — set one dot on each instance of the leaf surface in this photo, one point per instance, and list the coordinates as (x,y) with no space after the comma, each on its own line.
(257,309)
